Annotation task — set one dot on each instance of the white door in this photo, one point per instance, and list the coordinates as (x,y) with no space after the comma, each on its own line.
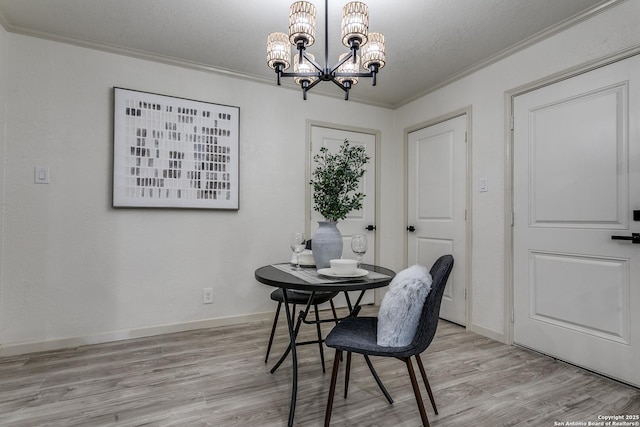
(576,182)
(358,221)
(437,193)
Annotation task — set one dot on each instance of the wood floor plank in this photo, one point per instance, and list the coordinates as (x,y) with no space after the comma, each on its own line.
(217,377)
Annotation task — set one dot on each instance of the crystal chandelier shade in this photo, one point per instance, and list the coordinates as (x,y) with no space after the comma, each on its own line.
(365,48)
(278,50)
(304,67)
(348,67)
(373,51)
(355,23)
(302,23)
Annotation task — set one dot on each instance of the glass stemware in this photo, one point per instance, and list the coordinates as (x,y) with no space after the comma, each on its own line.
(359,246)
(298,242)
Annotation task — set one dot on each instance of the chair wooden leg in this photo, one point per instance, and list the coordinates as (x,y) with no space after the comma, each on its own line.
(273,331)
(332,387)
(347,373)
(315,308)
(416,392)
(426,383)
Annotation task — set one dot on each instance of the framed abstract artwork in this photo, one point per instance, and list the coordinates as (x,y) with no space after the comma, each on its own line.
(174,153)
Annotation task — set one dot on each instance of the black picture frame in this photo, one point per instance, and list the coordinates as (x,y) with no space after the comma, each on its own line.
(173,152)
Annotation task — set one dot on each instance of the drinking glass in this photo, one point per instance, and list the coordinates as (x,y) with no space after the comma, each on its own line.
(359,246)
(297,246)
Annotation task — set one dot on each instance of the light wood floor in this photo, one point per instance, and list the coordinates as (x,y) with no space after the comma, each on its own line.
(217,377)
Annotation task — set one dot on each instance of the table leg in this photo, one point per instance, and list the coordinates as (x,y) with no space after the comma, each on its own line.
(301,317)
(293,333)
(294,358)
(357,305)
(346,297)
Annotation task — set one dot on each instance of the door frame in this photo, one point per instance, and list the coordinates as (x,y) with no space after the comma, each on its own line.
(468,199)
(509,98)
(308,190)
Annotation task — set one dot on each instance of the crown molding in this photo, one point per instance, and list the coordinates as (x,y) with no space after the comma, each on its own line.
(542,35)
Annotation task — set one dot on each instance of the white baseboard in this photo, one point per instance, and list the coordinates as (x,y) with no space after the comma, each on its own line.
(58,344)
(480,330)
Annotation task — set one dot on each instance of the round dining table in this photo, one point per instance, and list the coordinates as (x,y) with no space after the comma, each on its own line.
(286,277)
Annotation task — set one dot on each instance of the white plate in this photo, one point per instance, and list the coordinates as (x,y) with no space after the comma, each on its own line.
(329,272)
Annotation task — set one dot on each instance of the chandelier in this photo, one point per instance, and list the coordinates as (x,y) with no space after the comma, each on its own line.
(306,71)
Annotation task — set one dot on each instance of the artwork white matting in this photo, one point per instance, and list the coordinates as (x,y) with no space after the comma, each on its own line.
(174,152)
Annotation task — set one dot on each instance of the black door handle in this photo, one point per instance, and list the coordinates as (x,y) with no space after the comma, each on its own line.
(635,238)
(411,228)
(370,227)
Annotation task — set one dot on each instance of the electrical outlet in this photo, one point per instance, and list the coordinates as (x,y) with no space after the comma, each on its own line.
(207,295)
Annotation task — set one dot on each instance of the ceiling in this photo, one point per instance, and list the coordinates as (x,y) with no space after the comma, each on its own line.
(428,42)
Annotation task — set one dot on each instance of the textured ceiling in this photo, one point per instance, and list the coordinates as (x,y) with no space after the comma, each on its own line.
(429,42)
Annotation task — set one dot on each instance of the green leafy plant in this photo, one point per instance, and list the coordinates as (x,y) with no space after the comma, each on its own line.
(335,180)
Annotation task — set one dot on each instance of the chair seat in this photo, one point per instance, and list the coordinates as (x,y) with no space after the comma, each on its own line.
(302,297)
(359,335)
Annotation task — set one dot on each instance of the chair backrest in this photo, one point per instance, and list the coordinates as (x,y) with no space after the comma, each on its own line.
(431,310)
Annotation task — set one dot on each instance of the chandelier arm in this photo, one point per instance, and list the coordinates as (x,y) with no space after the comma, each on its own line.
(342,61)
(314,83)
(279,72)
(340,85)
(371,74)
(354,51)
(353,74)
(311,61)
(300,74)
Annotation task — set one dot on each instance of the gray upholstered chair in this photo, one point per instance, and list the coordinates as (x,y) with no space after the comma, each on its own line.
(359,335)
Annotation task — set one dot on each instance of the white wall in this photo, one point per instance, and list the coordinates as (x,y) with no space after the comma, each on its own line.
(602,35)
(73,267)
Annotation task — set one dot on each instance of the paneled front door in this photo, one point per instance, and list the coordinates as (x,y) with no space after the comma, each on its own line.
(576,184)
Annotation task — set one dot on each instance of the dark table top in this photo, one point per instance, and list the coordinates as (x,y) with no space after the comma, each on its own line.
(269,275)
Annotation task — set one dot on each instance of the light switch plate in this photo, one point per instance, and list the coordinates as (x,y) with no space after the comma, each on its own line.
(41,175)
(484,185)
